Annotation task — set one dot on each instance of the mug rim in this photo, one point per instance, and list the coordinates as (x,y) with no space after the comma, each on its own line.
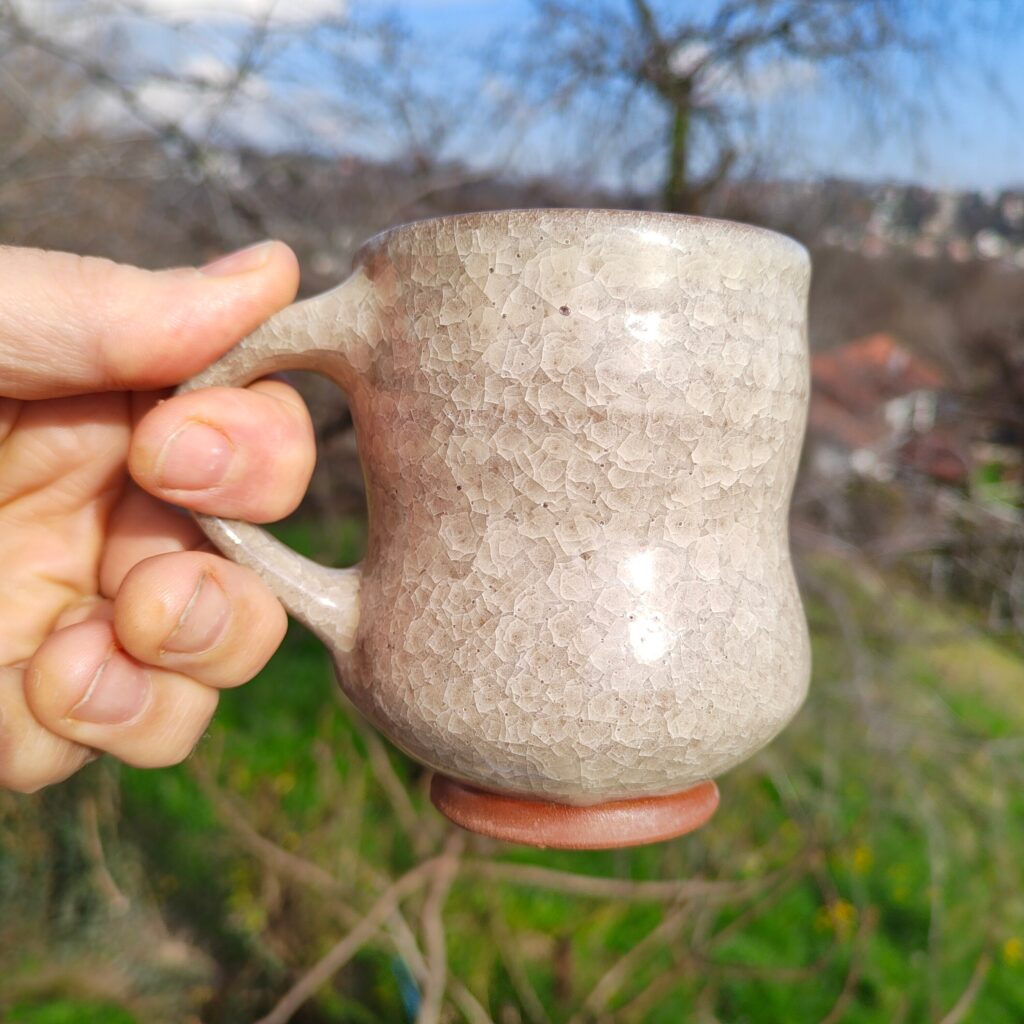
(677,221)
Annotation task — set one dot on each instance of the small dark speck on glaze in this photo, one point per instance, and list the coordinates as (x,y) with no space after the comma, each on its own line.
(564,310)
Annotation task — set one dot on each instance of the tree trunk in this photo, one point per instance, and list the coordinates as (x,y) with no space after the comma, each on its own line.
(679,197)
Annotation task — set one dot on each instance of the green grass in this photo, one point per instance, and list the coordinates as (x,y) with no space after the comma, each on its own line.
(63,1011)
(880,839)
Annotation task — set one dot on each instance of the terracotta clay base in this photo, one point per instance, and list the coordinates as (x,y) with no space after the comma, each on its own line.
(599,827)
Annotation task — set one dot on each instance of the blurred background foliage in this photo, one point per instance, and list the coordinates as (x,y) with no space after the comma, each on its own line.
(864,868)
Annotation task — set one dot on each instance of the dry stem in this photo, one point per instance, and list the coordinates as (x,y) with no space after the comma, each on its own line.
(447,867)
(343,950)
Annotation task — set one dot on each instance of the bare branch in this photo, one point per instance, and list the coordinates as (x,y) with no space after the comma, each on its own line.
(409,950)
(343,951)
(868,923)
(699,69)
(289,864)
(433,929)
(418,830)
(512,962)
(616,976)
(118,902)
(963,1005)
(621,889)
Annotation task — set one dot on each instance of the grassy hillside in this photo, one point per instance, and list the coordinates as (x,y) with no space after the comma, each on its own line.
(865,868)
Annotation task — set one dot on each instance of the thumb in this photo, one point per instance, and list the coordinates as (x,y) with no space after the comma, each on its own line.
(74,324)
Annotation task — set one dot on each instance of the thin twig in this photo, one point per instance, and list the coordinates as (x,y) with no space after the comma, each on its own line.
(307,873)
(704,1004)
(616,888)
(868,920)
(405,942)
(616,975)
(298,868)
(962,1006)
(935,831)
(774,973)
(470,1006)
(116,899)
(638,1006)
(343,950)
(764,899)
(531,1002)
(396,791)
(433,929)
(413,824)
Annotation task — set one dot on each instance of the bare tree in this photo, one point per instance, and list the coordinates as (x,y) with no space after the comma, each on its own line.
(221,97)
(688,77)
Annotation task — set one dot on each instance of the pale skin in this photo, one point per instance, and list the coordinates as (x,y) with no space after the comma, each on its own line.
(119,625)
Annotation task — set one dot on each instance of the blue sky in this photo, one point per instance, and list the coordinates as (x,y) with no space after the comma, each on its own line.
(969,135)
(964,132)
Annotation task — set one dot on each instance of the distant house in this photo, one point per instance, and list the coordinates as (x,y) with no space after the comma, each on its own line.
(876,407)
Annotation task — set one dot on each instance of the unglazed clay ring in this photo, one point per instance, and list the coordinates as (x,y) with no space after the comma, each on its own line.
(603,826)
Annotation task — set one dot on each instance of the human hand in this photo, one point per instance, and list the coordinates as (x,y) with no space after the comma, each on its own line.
(118,624)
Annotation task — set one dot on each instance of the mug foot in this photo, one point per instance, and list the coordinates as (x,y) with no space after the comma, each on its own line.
(613,824)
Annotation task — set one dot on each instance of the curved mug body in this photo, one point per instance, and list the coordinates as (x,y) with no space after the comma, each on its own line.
(580,432)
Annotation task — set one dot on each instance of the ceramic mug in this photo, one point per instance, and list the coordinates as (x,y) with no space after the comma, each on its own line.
(579,431)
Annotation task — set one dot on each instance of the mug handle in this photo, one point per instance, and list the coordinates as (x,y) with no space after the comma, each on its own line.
(333,334)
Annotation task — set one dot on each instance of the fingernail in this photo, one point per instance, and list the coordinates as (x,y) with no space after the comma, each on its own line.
(194,458)
(203,621)
(244,261)
(118,692)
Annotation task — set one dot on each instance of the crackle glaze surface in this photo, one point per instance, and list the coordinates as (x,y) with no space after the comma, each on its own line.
(580,431)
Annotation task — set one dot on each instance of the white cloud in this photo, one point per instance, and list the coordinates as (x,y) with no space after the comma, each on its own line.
(208,69)
(168,101)
(760,84)
(782,76)
(291,11)
(687,57)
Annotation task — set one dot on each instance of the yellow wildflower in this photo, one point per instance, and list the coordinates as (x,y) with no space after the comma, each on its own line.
(284,783)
